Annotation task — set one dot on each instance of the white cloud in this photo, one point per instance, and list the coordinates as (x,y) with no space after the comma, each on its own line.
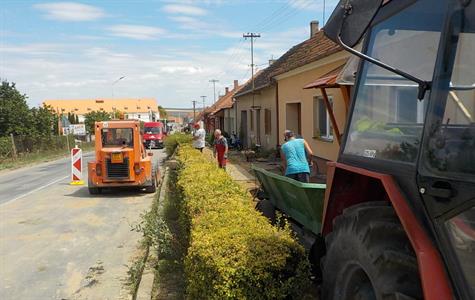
(70,11)
(174,75)
(137,32)
(184,9)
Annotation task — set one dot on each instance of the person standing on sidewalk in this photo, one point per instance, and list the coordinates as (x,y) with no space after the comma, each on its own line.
(296,154)
(220,148)
(199,137)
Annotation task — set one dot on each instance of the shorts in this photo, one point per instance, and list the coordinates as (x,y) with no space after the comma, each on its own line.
(302,177)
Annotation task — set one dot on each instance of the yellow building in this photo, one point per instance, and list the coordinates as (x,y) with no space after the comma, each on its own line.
(143,109)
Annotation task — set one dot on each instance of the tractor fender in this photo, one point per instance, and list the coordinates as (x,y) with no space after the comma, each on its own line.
(348,185)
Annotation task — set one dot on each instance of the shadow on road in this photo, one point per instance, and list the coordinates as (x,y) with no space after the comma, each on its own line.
(120,192)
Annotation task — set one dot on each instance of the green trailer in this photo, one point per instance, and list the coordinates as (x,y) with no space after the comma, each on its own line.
(302,202)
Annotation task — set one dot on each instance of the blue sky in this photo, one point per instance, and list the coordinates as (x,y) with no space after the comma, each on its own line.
(165,49)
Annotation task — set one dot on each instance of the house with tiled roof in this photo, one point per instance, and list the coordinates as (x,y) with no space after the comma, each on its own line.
(282,99)
(144,109)
(221,114)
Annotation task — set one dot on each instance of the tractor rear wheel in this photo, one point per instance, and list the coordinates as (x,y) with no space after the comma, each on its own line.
(369,256)
(267,209)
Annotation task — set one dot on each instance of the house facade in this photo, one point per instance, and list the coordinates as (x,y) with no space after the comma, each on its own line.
(256,117)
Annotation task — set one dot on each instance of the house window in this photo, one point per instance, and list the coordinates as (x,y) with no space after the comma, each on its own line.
(138,116)
(252,119)
(322,126)
(267,121)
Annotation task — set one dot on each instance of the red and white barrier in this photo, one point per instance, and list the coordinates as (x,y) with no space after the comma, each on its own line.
(76,166)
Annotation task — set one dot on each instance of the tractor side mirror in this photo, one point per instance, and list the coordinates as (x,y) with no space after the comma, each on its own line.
(149,153)
(350,20)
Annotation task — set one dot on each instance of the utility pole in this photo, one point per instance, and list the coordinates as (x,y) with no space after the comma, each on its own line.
(214,88)
(252,36)
(323,13)
(203,98)
(194,110)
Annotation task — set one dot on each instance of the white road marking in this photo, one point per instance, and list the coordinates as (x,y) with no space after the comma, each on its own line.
(35,190)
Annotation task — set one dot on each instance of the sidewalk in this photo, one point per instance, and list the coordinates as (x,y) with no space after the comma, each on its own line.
(235,169)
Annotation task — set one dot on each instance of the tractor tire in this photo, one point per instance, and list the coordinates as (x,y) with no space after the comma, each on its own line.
(94,190)
(369,256)
(267,209)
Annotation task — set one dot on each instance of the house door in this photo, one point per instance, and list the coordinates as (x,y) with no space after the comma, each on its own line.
(293,118)
(243,135)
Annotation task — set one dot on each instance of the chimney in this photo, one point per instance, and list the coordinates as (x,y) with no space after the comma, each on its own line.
(314,28)
(226,89)
(236,84)
(271,61)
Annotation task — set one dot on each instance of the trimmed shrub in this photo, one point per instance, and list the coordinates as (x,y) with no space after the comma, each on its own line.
(234,252)
(172,141)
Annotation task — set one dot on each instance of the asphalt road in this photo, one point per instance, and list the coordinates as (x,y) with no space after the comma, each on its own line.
(58,242)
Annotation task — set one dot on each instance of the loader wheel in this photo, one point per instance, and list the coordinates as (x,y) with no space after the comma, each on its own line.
(152,188)
(369,256)
(94,190)
(267,209)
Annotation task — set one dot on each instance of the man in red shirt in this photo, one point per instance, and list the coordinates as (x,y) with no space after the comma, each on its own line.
(220,148)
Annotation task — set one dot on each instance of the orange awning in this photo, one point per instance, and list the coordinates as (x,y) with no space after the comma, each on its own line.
(329,80)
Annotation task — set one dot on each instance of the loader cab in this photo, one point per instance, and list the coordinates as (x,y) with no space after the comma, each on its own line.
(120,158)
(424,137)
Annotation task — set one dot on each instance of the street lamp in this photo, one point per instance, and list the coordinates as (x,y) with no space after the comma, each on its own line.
(113,83)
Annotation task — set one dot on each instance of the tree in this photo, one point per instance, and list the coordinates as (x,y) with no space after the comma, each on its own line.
(15,115)
(95,116)
(163,112)
(76,120)
(43,120)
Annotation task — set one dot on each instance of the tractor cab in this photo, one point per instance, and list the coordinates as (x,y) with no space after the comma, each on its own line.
(410,137)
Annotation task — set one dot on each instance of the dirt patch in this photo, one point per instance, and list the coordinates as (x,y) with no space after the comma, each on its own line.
(83,203)
(91,220)
(36,221)
(92,277)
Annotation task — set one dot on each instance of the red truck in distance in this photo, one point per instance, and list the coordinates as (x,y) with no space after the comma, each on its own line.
(153,135)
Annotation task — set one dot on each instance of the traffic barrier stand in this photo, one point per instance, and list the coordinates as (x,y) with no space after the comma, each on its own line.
(76,166)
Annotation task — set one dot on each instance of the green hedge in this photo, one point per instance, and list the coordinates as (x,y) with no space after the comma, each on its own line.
(172,141)
(234,252)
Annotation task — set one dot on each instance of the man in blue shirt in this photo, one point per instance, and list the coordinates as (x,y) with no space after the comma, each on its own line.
(296,157)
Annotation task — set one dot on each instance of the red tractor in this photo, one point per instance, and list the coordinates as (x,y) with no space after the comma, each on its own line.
(398,217)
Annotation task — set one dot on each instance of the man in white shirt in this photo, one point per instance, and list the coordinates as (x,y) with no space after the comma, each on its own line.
(199,137)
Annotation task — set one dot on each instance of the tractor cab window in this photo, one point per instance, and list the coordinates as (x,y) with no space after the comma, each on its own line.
(388,118)
(152,130)
(451,144)
(117,137)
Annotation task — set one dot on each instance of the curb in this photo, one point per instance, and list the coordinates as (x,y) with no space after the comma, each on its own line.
(144,290)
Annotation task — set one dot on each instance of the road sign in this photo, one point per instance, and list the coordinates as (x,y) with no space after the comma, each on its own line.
(76,166)
(77,129)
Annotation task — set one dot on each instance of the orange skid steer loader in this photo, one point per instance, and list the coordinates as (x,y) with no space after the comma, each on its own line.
(121,160)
